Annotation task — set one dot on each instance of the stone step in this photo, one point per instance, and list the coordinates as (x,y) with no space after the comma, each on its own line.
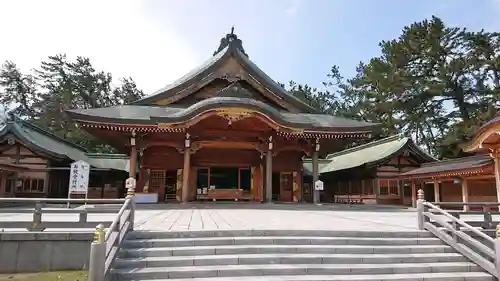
(287,269)
(284,249)
(286,259)
(277,240)
(247,233)
(453,276)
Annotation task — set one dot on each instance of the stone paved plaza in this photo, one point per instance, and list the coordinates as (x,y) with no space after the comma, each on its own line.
(326,217)
(225,216)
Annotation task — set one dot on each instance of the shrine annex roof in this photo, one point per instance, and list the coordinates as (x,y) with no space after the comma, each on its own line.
(452,167)
(372,153)
(41,141)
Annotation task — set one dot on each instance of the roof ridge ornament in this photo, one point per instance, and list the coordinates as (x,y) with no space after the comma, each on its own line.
(231,40)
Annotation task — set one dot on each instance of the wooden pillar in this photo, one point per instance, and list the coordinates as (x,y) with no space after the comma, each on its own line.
(186,169)
(3,182)
(315,170)
(133,156)
(254,183)
(496,157)
(147,175)
(193,179)
(401,191)
(178,185)
(465,194)
(297,186)
(413,194)
(262,193)
(362,188)
(269,171)
(436,190)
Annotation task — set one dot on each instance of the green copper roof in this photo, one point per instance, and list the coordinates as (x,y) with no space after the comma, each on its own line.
(230,46)
(135,114)
(372,153)
(44,142)
(449,166)
(118,162)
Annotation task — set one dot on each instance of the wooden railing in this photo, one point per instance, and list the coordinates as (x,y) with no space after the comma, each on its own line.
(468,238)
(37,223)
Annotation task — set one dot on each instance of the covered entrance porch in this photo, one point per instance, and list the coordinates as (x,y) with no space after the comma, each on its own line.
(224,183)
(237,152)
(217,159)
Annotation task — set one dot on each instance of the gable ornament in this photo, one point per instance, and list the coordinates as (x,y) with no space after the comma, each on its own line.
(234,114)
(11,140)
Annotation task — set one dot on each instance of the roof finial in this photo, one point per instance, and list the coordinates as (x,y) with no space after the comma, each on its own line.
(231,41)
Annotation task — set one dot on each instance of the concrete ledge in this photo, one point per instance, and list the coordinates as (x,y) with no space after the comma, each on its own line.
(33,252)
(51,236)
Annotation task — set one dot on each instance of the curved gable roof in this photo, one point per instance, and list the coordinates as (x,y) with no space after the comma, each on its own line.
(152,115)
(232,49)
(485,136)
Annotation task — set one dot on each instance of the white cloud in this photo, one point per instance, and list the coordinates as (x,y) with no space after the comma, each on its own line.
(115,35)
(293,8)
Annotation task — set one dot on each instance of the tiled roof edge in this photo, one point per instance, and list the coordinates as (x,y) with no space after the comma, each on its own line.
(366,145)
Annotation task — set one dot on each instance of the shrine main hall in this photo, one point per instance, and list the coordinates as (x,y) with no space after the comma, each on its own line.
(225,130)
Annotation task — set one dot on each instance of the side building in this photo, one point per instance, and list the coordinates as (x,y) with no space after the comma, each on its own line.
(366,173)
(466,179)
(225,130)
(35,163)
(487,140)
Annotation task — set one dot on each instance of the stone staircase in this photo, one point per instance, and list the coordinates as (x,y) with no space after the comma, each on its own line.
(291,255)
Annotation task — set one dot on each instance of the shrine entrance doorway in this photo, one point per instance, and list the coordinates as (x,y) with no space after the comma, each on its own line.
(286,187)
(170,185)
(223,183)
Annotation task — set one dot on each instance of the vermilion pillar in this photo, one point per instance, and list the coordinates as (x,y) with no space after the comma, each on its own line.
(413,194)
(133,155)
(496,158)
(3,182)
(269,171)
(465,194)
(315,168)
(436,191)
(186,169)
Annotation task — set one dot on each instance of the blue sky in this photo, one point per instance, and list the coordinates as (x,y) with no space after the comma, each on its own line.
(157,41)
(301,40)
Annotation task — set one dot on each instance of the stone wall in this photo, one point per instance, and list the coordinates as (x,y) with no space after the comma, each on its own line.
(49,251)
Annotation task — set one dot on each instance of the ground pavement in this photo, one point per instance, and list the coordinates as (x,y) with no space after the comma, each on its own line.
(326,217)
(242,216)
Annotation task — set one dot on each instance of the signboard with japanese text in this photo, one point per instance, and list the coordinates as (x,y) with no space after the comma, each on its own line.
(79,178)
